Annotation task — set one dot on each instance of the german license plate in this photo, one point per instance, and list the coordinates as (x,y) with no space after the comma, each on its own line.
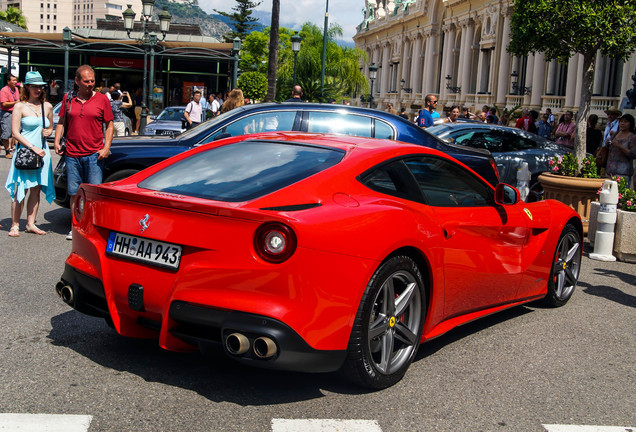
(145,250)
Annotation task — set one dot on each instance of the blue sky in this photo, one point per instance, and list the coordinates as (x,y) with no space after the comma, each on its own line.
(293,13)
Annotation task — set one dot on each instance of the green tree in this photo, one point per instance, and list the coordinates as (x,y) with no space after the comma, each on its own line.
(241,18)
(253,84)
(342,70)
(562,28)
(13,15)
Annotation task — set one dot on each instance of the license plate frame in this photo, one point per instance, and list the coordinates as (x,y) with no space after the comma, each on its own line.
(140,249)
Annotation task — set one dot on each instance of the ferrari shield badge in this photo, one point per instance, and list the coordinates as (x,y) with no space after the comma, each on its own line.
(143,223)
(525,210)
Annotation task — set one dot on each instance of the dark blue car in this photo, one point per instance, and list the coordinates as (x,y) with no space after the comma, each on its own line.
(130,155)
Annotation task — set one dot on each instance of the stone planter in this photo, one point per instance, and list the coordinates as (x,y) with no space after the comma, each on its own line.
(625,236)
(576,192)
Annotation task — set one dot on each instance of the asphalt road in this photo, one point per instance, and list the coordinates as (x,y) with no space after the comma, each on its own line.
(513,371)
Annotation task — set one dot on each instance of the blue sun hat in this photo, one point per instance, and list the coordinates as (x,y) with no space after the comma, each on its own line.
(34,78)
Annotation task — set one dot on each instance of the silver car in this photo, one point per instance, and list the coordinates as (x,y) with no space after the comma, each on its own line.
(169,122)
(509,146)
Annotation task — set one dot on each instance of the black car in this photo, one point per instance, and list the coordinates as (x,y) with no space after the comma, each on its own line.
(509,146)
(130,155)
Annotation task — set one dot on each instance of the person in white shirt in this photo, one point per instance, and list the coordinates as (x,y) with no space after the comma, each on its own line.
(194,110)
(612,123)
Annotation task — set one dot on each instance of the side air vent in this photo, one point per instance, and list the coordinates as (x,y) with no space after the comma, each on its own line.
(294,207)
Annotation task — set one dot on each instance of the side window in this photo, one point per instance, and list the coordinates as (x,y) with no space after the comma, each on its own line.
(262,122)
(337,123)
(392,179)
(383,130)
(514,142)
(445,184)
(481,139)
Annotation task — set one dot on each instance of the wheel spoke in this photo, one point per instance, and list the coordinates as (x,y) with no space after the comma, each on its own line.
(569,277)
(559,284)
(387,352)
(378,327)
(572,252)
(404,334)
(404,300)
(389,298)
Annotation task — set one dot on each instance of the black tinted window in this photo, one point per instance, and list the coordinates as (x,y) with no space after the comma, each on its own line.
(445,184)
(481,139)
(242,171)
(514,142)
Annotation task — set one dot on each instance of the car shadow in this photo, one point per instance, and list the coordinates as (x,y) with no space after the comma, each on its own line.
(461,332)
(58,221)
(212,375)
(609,292)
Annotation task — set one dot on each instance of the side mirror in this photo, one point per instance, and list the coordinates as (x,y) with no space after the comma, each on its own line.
(506,194)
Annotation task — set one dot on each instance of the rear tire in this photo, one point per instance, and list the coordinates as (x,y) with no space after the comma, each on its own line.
(566,266)
(388,326)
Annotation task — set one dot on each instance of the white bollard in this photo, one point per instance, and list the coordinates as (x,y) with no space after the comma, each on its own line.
(604,240)
(523,180)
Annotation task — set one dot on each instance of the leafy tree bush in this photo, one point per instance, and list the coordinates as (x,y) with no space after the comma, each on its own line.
(562,28)
(253,84)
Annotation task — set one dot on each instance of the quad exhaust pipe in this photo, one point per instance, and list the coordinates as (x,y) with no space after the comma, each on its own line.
(238,344)
(65,292)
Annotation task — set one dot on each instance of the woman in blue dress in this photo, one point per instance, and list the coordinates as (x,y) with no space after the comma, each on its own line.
(27,128)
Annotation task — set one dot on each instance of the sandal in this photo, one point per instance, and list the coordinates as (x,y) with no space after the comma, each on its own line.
(34,230)
(8,155)
(14,231)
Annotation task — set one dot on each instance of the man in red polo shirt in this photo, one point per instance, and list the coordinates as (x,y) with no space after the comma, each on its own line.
(9,96)
(87,145)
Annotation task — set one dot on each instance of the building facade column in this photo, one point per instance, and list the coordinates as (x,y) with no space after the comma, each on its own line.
(538,81)
(447,58)
(579,82)
(528,80)
(503,78)
(570,90)
(599,74)
(467,60)
(416,63)
(384,73)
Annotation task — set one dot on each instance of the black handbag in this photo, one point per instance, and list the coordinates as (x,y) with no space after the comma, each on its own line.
(27,159)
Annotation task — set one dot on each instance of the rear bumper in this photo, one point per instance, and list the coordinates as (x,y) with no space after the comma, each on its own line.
(200,326)
(203,325)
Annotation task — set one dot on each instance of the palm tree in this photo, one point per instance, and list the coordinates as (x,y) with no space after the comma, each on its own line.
(272,64)
(13,15)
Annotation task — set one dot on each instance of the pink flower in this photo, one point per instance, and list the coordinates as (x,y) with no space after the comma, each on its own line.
(629,203)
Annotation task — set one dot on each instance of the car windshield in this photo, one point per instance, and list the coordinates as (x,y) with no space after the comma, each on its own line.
(171,114)
(242,171)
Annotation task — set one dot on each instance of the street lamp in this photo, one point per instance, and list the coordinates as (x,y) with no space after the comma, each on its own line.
(373,73)
(449,87)
(295,41)
(236,48)
(515,85)
(148,42)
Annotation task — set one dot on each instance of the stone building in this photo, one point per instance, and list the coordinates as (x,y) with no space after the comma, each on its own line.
(456,49)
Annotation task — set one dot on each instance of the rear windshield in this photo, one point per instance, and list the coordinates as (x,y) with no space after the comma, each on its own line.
(242,171)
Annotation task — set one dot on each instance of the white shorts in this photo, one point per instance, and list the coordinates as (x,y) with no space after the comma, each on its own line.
(120,129)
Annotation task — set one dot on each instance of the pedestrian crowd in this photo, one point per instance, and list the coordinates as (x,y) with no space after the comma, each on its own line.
(90,116)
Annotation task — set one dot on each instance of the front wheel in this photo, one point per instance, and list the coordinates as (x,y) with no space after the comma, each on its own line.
(566,266)
(388,326)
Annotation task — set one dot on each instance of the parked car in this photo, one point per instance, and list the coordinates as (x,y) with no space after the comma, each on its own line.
(56,119)
(313,253)
(509,146)
(169,122)
(134,154)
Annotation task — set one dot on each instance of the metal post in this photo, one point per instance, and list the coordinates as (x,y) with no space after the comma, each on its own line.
(151,83)
(144,106)
(371,96)
(67,37)
(235,71)
(324,51)
(295,58)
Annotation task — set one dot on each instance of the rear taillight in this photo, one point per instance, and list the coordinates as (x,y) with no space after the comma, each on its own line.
(274,242)
(80,203)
